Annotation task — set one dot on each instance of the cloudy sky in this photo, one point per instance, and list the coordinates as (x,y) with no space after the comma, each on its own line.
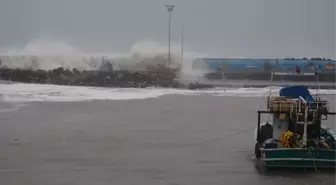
(221,28)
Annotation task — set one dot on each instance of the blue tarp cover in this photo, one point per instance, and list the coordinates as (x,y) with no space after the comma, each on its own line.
(296,92)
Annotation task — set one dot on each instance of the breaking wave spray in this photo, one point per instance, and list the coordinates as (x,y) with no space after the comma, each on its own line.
(46,53)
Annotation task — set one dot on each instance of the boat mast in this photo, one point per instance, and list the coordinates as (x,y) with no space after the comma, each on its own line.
(317,86)
(182,44)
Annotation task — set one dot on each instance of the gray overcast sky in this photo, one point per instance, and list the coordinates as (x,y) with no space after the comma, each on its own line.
(248,28)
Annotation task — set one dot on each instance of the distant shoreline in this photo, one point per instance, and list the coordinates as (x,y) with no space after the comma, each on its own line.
(257,84)
(267,76)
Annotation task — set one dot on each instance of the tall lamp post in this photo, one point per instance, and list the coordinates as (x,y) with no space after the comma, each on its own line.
(170,8)
(182,44)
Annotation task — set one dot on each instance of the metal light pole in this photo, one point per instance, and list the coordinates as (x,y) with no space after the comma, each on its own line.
(182,44)
(170,8)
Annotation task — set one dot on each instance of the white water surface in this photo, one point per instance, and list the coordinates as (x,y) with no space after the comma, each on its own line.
(19,92)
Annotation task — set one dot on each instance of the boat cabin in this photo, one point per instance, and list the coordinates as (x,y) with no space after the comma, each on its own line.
(296,122)
(295,138)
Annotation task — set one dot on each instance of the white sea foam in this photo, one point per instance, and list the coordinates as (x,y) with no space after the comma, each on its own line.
(55,93)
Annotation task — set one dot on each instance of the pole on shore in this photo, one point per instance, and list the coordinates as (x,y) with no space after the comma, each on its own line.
(170,8)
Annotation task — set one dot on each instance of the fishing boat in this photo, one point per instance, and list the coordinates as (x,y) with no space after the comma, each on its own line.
(295,137)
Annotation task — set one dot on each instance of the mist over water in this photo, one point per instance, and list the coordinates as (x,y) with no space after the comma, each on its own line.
(47,53)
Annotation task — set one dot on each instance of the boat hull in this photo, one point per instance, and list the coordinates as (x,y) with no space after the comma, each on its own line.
(298,158)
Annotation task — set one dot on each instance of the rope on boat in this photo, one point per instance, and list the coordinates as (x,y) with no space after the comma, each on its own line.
(311,156)
(287,139)
(317,99)
(218,138)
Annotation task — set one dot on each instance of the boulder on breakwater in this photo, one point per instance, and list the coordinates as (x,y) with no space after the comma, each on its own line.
(138,70)
(160,77)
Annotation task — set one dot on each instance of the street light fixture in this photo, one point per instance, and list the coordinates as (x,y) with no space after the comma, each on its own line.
(170,8)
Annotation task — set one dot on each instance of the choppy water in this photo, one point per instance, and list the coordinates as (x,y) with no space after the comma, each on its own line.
(20,92)
(146,136)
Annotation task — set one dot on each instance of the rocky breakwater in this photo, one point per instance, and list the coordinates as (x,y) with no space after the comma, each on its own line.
(158,77)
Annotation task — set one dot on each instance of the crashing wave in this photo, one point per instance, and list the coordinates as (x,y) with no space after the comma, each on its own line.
(135,62)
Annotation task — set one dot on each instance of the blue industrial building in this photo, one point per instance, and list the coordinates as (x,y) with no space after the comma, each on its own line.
(283,65)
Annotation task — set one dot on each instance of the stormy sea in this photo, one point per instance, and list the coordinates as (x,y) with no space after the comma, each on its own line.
(63,134)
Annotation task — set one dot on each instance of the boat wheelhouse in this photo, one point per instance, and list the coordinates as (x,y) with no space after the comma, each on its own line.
(296,136)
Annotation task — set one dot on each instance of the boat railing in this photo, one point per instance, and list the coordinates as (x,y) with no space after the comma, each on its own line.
(298,108)
(278,112)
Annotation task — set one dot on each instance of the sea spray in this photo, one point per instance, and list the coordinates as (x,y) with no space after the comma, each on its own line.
(48,54)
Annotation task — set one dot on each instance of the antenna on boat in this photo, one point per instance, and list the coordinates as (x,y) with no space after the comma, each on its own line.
(270,89)
(269,94)
(182,44)
(317,86)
